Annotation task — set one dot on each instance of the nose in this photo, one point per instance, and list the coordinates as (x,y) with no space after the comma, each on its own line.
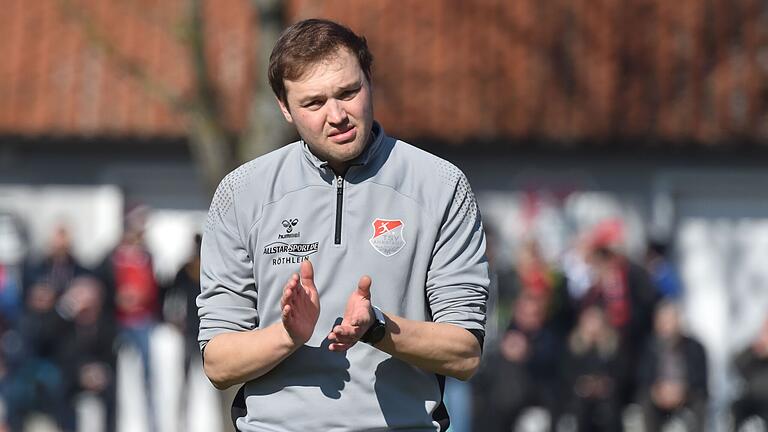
(336,112)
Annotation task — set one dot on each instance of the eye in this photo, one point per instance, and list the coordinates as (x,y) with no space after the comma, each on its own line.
(349,94)
(313,104)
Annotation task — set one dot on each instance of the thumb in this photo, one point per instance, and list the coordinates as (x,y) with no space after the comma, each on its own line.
(307,275)
(364,287)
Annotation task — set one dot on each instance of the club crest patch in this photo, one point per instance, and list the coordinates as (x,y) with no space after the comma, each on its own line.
(387,236)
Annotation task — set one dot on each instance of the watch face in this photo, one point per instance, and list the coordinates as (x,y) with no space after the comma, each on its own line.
(378,329)
(377,333)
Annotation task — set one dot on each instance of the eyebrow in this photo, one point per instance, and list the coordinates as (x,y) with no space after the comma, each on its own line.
(348,87)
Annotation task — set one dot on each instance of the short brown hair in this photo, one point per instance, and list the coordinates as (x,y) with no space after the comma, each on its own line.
(308,42)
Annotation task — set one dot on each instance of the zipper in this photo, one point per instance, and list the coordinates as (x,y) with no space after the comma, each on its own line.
(339,200)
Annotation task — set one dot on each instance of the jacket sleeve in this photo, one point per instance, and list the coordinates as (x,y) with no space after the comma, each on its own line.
(228,295)
(457,279)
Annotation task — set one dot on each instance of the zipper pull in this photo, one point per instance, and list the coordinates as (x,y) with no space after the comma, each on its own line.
(339,183)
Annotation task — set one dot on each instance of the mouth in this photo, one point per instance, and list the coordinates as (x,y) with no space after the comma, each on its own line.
(341,137)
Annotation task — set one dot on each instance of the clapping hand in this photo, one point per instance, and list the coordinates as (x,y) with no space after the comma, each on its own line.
(300,304)
(357,318)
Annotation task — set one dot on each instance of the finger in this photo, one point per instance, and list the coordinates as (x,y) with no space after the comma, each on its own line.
(285,299)
(339,347)
(288,290)
(307,274)
(334,338)
(296,289)
(296,283)
(345,340)
(364,287)
(290,295)
(298,293)
(344,331)
(346,335)
(286,312)
(293,282)
(307,278)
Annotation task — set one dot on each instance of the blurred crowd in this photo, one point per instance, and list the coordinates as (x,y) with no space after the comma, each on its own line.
(62,326)
(597,332)
(582,339)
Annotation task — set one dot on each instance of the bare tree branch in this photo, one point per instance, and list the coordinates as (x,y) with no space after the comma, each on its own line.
(124,64)
(267,129)
(211,147)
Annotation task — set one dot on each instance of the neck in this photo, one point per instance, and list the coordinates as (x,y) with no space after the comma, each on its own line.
(339,168)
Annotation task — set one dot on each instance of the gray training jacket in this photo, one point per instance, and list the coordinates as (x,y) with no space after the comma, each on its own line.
(401,215)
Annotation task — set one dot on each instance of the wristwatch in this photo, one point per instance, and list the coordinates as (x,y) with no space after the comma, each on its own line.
(377,330)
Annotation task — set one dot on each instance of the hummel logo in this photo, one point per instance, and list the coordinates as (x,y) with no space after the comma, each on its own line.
(288,224)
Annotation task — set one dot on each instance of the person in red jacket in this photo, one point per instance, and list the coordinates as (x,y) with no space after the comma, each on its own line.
(129,276)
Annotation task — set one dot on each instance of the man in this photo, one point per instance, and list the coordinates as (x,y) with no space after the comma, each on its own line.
(88,358)
(594,364)
(59,267)
(752,366)
(397,260)
(672,374)
(524,372)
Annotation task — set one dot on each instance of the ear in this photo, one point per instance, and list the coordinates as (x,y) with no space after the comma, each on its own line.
(284,109)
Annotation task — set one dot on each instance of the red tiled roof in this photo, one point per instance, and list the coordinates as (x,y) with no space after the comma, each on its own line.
(56,80)
(560,70)
(567,70)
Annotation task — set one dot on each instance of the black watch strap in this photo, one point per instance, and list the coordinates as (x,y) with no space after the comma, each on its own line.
(378,328)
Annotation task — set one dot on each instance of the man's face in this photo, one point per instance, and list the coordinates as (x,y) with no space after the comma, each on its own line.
(332,109)
(667,322)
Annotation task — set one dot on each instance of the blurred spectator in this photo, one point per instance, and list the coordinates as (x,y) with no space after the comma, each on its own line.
(59,266)
(129,276)
(577,271)
(13,248)
(534,276)
(36,382)
(594,365)
(89,358)
(180,303)
(624,291)
(662,271)
(752,365)
(10,298)
(524,373)
(672,374)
